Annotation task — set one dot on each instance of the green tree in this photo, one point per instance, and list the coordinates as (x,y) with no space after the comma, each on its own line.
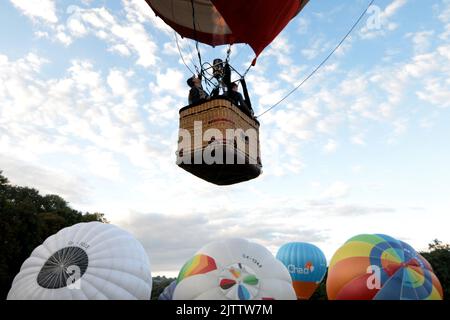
(321,291)
(26,220)
(159,284)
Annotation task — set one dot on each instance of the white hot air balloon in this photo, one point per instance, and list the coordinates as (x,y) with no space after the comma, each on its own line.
(86,261)
(234,269)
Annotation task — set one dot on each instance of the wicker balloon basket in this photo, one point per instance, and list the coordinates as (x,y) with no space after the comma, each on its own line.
(219,142)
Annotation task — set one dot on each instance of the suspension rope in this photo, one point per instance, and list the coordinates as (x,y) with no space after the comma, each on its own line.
(322,63)
(195,35)
(181,55)
(228,54)
(248,69)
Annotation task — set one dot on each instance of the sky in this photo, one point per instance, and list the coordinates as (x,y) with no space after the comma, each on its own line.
(89,98)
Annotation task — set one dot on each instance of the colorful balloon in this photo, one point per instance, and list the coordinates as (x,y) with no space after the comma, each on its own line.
(87,261)
(306,264)
(380,267)
(234,269)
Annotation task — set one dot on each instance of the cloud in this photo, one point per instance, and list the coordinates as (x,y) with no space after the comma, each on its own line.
(170,81)
(315,48)
(118,81)
(330,207)
(424,74)
(421,40)
(44,15)
(336,190)
(330,147)
(393,7)
(73,115)
(436,92)
(293,74)
(103,163)
(328,124)
(171,240)
(139,11)
(123,36)
(358,139)
(323,106)
(444,17)
(357,210)
(48,181)
(378,23)
(41,10)
(303,25)
(444,13)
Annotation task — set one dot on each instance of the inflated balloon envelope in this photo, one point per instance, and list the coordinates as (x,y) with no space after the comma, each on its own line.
(87,261)
(306,264)
(234,269)
(379,267)
(218,22)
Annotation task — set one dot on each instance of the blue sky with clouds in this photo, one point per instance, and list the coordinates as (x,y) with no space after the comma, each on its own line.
(89,99)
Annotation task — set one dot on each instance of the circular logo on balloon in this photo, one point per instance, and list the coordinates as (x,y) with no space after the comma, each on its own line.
(309,266)
(239,282)
(63,268)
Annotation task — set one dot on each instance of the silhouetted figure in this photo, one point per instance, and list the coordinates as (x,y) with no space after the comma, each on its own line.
(236,97)
(196,94)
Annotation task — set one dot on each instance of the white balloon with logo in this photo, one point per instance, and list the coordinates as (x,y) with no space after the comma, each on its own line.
(84,262)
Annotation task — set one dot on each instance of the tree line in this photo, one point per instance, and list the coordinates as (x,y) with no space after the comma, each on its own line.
(27,218)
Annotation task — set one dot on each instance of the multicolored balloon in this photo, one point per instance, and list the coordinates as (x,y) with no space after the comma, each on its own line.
(234,269)
(87,261)
(379,267)
(306,264)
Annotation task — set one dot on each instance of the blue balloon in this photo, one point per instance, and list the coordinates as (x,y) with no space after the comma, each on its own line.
(306,264)
(167,294)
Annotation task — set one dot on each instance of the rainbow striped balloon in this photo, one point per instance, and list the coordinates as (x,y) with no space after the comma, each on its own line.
(199,264)
(379,267)
(233,269)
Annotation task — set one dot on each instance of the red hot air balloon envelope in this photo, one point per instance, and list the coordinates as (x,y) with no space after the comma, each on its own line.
(219,22)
